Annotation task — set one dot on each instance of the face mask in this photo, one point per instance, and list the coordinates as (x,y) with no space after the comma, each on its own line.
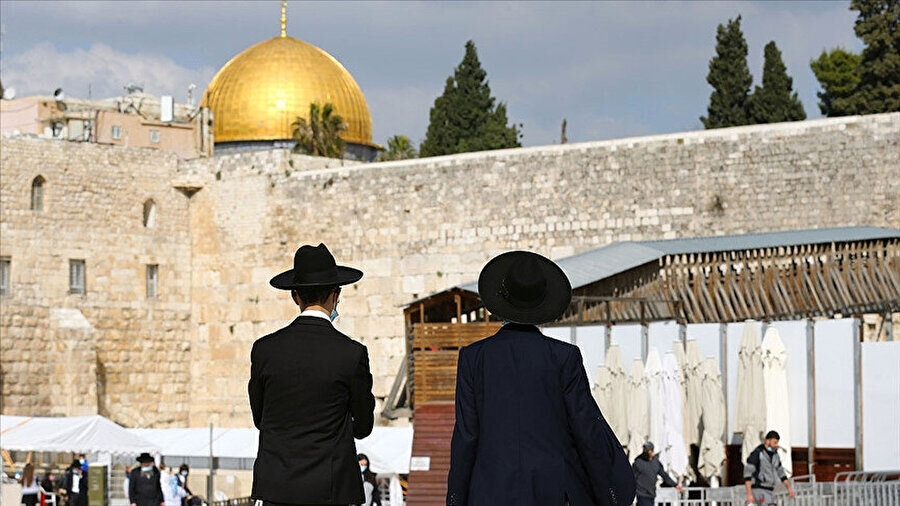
(184,473)
(147,469)
(81,460)
(362,469)
(334,312)
(770,449)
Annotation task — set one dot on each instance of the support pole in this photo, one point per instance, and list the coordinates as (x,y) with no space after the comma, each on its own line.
(810,397)
(645,341)
(212,468)
(857,390)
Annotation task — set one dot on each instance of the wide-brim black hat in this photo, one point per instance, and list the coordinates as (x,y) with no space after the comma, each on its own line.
(315,266)
(524,287)
(145,457)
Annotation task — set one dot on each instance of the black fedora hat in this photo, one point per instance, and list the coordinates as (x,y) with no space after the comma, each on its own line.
(524,287)
(315,266)
(145,457)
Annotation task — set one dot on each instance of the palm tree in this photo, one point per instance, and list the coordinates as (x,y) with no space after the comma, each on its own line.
(399,148)
(320,134)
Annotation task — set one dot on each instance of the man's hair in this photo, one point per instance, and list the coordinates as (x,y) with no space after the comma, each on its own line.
(314,294)
(772,435)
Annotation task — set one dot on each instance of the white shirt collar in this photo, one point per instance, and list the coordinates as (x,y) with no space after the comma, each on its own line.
(316,313)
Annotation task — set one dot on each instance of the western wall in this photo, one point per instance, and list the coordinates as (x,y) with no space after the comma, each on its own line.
(227,224)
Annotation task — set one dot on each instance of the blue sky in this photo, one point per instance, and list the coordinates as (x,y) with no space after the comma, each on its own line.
(612,69)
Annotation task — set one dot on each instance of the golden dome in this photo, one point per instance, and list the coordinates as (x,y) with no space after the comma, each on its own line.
(260,92)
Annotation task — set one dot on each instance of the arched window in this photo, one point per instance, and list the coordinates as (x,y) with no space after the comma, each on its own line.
(37,193)
(149,213)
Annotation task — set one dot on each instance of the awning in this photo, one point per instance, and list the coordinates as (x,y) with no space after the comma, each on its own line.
(388,448)
(77,434)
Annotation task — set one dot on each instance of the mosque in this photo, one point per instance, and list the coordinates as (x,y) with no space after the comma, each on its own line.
(256,96)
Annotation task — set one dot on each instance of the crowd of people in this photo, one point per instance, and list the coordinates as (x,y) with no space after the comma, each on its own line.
(71,489)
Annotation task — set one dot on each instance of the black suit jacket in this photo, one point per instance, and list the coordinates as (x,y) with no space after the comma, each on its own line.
(311,394)
(528,432)
(144,491)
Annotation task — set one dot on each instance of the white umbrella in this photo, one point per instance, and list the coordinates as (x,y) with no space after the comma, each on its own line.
(712,445)
(693,383)
(638,409)
(774,358)
(672,448)
(618,400)
(750,413)
(653,373)
(602,389)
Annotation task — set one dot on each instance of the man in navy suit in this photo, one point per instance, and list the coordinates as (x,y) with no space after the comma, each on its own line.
(528,432)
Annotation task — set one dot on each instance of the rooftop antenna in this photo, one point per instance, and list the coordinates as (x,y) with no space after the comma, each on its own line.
(284,18)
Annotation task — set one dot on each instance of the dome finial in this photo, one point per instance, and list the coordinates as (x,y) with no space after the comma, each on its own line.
(284,18)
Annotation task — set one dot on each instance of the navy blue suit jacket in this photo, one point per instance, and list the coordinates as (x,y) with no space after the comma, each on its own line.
(528,432)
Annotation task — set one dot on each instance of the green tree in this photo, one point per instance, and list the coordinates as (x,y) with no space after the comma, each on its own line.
(466,117)
(879,68)
(774,102)
(730,78)
(320,133)
(838,74)
(399,147)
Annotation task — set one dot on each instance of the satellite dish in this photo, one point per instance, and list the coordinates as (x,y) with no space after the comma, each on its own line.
(58,95)
(9,93)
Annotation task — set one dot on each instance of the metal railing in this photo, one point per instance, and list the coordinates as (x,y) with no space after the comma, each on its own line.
(857,488)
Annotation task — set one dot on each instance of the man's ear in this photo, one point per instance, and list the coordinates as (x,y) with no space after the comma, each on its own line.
(295,296)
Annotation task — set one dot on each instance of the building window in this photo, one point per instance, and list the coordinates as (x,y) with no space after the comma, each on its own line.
(152,280)
(4,275)
(37,193)
(116,132)
(76,276)
(149,213)
(154,136)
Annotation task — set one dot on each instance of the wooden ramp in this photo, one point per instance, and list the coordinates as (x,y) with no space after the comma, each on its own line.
(434,427)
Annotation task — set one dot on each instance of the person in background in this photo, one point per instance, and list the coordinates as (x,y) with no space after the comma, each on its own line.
(74,485)
(48,484)
(646,468)
(763,471)
(144,487)
(182,476)
(370,483)
(84,465)
(173,492)
(30,486)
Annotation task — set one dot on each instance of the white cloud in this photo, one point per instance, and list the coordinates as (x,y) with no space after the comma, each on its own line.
(42,68)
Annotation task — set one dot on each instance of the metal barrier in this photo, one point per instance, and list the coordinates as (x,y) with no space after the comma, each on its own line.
(237,501)
(858,488)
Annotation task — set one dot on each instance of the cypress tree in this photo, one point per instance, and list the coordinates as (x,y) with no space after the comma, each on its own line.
(879,67)
(730,78)
(838,74)
(774,102)
(465,117)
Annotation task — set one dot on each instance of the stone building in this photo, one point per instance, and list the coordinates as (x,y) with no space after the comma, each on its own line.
(133,282)
(135,119)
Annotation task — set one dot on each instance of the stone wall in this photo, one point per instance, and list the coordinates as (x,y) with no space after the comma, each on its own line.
(419,226)
(112,350)
(414,227)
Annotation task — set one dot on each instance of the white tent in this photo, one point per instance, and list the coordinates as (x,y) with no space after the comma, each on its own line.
(712,445)
(653,373)
(77,434)
(673,454)
(774,358)
(388,448)
(618,402)
(750,412)
(602,389)
(638,409)
(693,388)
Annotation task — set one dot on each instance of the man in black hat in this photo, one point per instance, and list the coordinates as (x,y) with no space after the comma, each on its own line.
(310,393)
(144,488)
(528,432)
